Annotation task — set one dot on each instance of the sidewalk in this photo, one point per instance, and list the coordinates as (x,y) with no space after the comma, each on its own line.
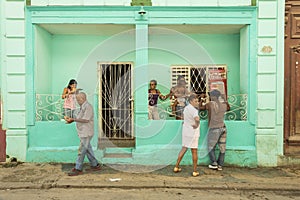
(45,175)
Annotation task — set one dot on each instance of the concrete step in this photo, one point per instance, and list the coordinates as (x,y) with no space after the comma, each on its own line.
(117,152)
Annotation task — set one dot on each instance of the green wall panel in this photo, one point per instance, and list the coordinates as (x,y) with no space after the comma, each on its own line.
(52,134)
(17,143)
(43,61)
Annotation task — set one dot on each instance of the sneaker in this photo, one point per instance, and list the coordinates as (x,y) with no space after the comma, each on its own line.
(212,166)
(219,168)
(75,172)
(94,168)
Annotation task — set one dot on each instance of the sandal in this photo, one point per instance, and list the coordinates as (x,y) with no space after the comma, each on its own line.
(176,169)
(195,174)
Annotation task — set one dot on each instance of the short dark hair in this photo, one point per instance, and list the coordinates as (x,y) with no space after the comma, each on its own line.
(192,97)
(215,93)
(180,77)
(154,81)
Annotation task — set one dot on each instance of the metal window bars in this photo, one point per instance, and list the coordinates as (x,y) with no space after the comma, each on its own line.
(115,100)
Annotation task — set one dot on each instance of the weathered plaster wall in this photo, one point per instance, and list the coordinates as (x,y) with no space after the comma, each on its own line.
(269,133)
(13,74)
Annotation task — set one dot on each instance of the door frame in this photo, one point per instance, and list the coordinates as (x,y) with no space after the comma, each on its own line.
(291,49)
(103,141)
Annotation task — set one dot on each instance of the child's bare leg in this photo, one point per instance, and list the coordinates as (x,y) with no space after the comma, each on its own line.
(195,159)
(180,156)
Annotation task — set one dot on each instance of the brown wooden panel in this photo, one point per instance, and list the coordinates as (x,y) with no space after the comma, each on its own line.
(292,75)
(295,29)
(296,91)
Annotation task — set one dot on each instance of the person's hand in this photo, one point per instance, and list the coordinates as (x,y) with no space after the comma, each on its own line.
(73,90)
(68,119)
(195,126)
(66,95)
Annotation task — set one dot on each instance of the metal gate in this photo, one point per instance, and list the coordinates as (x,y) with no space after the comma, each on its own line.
(115,105)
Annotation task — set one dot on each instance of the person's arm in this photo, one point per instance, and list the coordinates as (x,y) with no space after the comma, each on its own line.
(172,92)
(87,116)
(161,96)
(208,107)
(226,102)
(65,93)
(197,122)
(202,104)
(70,120)
(166,96)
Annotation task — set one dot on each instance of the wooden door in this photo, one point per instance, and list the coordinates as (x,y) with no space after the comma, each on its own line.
(292,78)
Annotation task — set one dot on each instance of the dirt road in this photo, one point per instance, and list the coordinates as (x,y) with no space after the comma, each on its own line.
(49,181)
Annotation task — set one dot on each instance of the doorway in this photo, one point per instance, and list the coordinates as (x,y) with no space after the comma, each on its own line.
(115,102)
(292,79)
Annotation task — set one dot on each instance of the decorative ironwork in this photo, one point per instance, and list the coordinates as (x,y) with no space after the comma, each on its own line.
(237,112)
(115,101)
(49,107)
(238,107)
(198,76)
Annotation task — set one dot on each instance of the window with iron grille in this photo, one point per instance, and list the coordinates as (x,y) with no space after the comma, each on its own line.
(200,77)
(204,78)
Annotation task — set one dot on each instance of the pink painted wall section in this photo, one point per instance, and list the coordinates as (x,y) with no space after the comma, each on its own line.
(2,141)
(2,144)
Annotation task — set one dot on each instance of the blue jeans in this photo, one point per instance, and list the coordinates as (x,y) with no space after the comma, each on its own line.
(217,136)
(85,148)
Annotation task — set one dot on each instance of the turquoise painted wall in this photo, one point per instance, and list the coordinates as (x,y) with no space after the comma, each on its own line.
(244,59)
(66,54)
(203,49)
(43,61)
(69,52)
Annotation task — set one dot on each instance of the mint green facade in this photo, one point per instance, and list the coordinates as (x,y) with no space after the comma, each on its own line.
(62,42)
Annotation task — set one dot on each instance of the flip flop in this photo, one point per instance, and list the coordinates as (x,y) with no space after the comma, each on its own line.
(176,169)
